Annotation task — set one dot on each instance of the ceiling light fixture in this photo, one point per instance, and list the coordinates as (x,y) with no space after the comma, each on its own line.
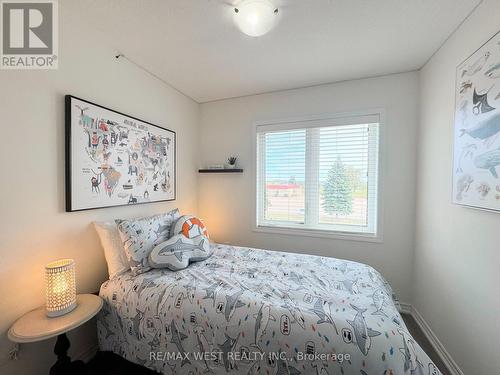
(255,17)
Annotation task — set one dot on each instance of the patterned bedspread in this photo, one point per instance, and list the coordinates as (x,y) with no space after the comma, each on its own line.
(252,311)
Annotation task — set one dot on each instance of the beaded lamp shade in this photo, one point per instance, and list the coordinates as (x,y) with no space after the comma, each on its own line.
(60,282)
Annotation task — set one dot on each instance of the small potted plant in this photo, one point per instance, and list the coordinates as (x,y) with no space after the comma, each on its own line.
(231,162)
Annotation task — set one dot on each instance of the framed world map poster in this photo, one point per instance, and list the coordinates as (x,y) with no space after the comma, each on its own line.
(476,168)
(113,159)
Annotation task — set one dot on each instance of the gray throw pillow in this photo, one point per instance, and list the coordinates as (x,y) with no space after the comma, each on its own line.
(140,236)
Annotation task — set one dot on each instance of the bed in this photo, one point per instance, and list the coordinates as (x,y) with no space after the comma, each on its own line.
(253,311)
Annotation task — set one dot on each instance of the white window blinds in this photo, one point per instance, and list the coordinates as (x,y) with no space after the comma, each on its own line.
(319,175)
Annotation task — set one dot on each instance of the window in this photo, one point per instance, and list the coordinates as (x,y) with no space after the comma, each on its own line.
(319,175)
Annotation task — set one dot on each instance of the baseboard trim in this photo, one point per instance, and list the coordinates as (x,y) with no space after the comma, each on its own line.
(406,308)
(87,354)
(446,357)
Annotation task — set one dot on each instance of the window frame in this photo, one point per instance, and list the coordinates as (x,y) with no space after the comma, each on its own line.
(342,118)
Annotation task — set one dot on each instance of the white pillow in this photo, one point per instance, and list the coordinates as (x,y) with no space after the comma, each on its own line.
(113,248)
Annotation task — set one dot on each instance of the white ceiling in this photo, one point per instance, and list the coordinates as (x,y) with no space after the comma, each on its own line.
(194,45)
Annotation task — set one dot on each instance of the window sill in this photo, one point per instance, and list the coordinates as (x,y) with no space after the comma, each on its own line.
(337,235)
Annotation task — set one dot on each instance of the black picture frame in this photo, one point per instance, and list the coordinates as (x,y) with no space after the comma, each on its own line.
(68,156)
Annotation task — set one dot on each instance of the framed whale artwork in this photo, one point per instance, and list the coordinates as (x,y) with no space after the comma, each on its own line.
(476,161)
(113,159)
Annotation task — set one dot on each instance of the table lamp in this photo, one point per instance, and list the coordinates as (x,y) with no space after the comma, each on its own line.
(60,282)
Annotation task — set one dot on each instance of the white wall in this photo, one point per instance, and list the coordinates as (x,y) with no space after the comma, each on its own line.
(457,254)
(35,228)
(226,200)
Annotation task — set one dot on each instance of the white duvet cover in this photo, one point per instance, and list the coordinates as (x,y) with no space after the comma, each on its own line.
(252,311)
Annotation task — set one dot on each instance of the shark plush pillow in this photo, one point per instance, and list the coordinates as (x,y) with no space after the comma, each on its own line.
(178,251)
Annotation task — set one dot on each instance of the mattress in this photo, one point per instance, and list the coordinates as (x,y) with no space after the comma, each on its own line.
(253,311)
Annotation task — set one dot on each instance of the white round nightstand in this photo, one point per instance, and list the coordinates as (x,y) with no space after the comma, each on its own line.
(36,326)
